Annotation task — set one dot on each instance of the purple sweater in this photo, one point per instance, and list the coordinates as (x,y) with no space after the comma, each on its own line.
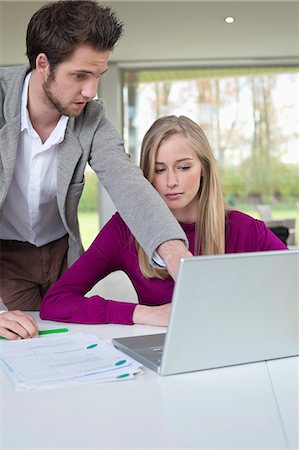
(114,249)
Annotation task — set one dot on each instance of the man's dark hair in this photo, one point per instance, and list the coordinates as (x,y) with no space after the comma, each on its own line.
(58,28)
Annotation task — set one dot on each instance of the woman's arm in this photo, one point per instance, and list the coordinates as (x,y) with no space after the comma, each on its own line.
(152,315)
(246,234)
(66,301)
(265,239)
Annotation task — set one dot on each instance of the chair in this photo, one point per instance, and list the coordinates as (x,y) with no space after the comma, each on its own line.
(265,212)
(266,215)
(281,232)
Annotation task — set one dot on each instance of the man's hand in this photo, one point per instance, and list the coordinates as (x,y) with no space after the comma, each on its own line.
(152,315)
(17,325)
(171,252)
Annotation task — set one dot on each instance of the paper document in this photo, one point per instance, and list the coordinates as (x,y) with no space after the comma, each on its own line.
(58,360)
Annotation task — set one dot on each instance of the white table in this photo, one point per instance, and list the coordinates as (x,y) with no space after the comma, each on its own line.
(252,406)
(284,374)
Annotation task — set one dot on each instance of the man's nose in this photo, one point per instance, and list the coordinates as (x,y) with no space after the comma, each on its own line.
(89,89)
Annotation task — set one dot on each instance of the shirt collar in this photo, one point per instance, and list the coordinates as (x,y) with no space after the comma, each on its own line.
(58,133)
(25,120)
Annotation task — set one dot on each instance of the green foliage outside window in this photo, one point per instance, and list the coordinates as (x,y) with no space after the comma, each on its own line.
(89,199)
(250,115)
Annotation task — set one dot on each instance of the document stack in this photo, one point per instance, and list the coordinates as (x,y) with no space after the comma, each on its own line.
(52,361)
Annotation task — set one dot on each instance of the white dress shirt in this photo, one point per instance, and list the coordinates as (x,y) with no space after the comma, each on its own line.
(30,212)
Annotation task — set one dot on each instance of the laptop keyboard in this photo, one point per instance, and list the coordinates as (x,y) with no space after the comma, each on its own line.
(158,350)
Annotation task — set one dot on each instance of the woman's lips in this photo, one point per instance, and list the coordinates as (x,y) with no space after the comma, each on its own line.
(174,195)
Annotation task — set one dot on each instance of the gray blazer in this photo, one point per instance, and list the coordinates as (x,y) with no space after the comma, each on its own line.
(89,138)
(2,306)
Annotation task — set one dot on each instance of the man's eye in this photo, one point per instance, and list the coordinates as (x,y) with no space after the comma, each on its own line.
(79,76)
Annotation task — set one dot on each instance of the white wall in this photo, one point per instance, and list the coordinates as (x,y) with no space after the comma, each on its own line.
(178,30)
(192,30)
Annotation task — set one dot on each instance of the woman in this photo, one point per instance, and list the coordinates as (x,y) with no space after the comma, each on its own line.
(177,159)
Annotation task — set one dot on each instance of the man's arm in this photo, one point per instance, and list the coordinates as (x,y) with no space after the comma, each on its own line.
(16,324)
(171,252)
(2,306)
(139,204)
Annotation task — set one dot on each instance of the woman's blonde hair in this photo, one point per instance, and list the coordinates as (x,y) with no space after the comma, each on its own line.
(210,222)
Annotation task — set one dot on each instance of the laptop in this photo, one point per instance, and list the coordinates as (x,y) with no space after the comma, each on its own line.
(226,310)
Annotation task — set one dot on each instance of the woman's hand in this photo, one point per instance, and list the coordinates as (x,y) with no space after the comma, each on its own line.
(152,315)
(17,325)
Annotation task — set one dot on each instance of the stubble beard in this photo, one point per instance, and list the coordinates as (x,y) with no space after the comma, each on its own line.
(54,101)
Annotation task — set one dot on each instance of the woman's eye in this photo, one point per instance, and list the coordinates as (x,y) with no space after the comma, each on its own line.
(183,168)
(159,170)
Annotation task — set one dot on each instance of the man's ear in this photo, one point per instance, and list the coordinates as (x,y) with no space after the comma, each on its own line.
(42,65)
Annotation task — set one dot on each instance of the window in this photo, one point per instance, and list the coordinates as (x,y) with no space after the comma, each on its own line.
(250,116)
(88,212)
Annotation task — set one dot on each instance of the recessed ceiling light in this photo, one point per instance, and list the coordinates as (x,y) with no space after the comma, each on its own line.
(229,19)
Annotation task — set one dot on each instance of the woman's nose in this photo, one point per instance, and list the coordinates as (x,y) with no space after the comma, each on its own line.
(172,179)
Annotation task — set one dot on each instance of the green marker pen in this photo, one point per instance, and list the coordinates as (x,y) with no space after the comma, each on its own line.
(55,330)
(41,332)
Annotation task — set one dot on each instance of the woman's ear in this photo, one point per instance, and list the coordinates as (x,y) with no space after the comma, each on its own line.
(200,184)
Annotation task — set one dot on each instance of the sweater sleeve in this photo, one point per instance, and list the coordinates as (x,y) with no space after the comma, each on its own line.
(263,239)
(66,300)
(246,234)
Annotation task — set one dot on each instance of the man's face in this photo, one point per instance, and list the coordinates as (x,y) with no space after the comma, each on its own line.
(74,82)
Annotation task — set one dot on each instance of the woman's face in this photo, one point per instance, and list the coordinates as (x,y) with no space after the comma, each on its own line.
(177,177)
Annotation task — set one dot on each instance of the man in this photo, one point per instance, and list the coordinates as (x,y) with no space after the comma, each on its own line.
(16,324)
(50,128)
